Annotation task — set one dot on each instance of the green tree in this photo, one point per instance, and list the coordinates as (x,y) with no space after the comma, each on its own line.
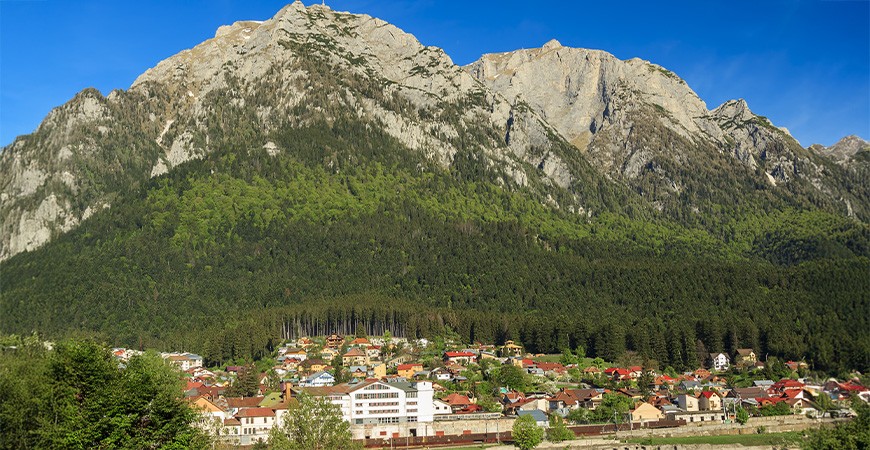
(314,424)
(742,416)
(526,433)
(247,383)
(613,407)
(512,377)
(86,400)
(579,415)
(558,432)
(645,383)
(824,403)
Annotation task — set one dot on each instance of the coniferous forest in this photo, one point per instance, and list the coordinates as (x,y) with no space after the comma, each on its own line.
(228,255)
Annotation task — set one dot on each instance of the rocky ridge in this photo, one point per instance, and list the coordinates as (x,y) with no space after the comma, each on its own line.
(644,126)
(513,113)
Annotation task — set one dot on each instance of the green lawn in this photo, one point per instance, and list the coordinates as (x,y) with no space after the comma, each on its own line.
(788,438)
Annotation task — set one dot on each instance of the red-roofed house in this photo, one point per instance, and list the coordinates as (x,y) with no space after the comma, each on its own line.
(618,374)
(710,401)
(256,422)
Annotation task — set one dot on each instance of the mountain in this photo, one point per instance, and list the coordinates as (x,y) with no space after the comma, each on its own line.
(642,125)
(267,74)
(325,171)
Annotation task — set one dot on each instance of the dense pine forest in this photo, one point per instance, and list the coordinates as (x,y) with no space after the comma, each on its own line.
(229,254)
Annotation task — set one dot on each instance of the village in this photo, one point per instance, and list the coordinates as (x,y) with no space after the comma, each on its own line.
(397,392)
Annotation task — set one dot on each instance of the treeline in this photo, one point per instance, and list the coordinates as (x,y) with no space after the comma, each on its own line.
(220,255)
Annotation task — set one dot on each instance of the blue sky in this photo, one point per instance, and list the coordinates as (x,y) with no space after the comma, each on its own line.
(803,64)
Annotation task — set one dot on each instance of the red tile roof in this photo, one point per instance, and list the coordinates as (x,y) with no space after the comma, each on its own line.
(256,412)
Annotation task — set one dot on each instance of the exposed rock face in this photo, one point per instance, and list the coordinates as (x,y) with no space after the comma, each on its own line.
(641,124)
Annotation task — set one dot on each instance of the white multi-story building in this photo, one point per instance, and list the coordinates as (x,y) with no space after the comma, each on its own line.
(380,408)
(719,362)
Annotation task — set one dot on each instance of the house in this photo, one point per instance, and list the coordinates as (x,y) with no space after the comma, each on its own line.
(334,341)
(355,357)
(618,374)
(256,423)
(401,358)
(440,374)
(460,357)
(687,403)
(441,407)
(360,342)
(510,348)
(747,393)
(745,357)
(690,385)
(328,353)
(232,428)
(378,370)
(304,342)
(709,401)
(318,379)
(644,412)
(719,362)
(358,371)
(408,370)
(184,361)
(314,365)
(373,352)
(552,368)
(298,354)
(457,402)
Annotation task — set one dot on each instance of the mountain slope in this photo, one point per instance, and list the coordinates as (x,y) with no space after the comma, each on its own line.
(325,168)
(253,80)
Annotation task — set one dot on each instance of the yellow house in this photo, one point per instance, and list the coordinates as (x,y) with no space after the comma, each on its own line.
(328,353)
(746,356)
(355,357)
(379,370)
(644,412)
(407,371)
(511,349)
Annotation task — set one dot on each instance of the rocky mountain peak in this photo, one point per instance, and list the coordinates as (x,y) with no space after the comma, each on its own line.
(552,44)
(734,109)
(845,150)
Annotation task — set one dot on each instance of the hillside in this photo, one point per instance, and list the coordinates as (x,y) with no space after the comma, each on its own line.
(324,167)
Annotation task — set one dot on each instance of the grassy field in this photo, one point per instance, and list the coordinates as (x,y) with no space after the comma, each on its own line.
(789,438)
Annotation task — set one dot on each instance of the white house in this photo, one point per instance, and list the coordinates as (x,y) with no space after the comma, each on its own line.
(256,424)
(719,362)
(319,379)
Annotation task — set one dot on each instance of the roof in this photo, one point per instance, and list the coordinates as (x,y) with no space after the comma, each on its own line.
(355,352)
(709,394)
(256,412)
(459,354)
(457,400)
(244,402)
(537,414)
(744,351)
(233,422)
